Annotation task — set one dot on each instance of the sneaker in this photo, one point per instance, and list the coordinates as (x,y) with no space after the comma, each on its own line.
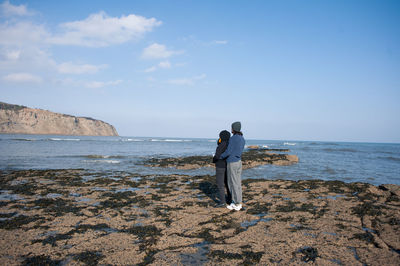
(231,206)
(220,205)
(237,207)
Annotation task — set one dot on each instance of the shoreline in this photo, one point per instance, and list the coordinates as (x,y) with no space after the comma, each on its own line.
(78,216)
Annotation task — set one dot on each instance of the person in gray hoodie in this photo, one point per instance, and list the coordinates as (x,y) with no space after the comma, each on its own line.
(220,169)
(233,155)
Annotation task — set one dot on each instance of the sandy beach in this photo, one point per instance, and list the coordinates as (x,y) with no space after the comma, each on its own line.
(77,217)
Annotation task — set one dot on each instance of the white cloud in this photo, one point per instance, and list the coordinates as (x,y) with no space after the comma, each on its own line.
(8,9)
(164,64)
(26,46)
(158,51)
(150,69)
(22,34)
(102,30)
(12,55)
(101,84)
(23,78)
(26,60)
(95,31)
(71,68)
(220,42)
(186,81)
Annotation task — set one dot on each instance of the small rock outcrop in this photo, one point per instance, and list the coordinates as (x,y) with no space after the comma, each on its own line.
(250,158)
(18,119)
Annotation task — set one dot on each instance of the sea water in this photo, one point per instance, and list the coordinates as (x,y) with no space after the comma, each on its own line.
(375,163)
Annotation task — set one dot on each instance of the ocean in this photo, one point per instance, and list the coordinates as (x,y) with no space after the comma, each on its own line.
(374,163)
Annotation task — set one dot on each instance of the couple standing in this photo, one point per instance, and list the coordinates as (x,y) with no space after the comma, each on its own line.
(228,164)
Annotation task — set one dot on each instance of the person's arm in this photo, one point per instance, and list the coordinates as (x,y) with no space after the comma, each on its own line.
(228,150)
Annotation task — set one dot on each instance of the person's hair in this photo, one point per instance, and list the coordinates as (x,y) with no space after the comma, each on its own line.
(237,133)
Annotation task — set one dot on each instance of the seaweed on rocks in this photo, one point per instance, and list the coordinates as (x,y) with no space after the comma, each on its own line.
(367,208)
(90,258)
(291,207)
(57,206)
(309,253)
(220,255)
(147,234)
(40,260)
(52,240)
(258,208)
(17,221)
(251,258)
(79,229)
(248,257)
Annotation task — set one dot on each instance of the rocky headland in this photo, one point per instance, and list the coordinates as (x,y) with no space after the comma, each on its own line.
(78,217)
(17,119)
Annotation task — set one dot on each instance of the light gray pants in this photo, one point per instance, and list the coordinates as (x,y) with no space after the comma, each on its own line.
(235,181)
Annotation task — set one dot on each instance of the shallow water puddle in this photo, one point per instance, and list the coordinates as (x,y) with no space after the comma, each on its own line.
(53,195)
(198,258)
(335,197)
(131,189)
(247,224)
(6,196)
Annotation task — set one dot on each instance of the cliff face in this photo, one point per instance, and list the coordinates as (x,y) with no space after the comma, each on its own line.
(16,119)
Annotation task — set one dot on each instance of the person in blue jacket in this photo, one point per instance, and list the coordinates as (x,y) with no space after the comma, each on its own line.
(233,155)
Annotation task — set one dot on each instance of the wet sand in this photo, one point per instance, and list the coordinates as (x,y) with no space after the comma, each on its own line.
(76,217)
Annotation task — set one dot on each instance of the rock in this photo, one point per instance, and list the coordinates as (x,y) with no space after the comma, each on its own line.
(253,147)
(250,158)
(17,119)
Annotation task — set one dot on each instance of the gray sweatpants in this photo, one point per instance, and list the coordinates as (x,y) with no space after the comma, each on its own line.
(235,181)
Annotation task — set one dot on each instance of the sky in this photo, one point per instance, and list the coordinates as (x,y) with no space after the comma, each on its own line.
(288,70)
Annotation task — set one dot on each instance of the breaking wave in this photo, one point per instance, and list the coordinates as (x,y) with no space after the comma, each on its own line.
(289,144)
(59,139)
(97,156)
(134,140)
(103,161)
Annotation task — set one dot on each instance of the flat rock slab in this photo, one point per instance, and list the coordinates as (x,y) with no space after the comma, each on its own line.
(52,217)
(250,158)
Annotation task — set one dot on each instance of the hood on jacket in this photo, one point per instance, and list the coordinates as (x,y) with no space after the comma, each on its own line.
(224,136)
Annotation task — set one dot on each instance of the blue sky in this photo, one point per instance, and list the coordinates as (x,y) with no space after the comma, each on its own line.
(289,70)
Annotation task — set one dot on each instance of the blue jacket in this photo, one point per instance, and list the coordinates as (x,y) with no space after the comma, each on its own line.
(235,148)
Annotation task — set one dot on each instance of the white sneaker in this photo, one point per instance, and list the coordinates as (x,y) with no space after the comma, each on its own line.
(238,207)
(231,206)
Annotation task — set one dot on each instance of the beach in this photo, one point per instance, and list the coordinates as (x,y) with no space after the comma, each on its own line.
(82,217)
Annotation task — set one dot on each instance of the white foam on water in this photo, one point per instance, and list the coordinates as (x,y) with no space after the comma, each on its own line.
(102,161)
(132,140)
(58,139)
(289,144)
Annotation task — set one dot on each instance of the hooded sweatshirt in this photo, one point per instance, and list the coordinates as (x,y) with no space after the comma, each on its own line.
(222,145)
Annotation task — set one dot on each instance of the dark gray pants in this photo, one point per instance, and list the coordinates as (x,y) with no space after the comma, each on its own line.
(235,181)
(222,184)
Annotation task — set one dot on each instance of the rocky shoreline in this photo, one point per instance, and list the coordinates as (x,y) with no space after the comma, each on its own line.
(54,217)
